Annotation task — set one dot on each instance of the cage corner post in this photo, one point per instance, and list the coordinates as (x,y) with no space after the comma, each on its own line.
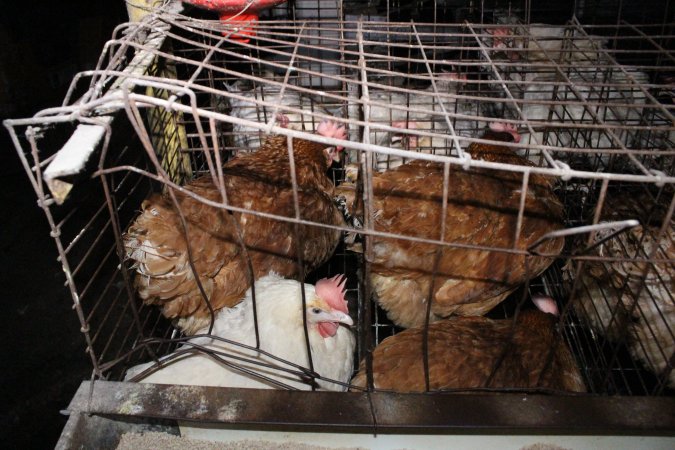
(167,129)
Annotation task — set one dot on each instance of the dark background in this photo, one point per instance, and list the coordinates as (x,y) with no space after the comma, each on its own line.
(42,45)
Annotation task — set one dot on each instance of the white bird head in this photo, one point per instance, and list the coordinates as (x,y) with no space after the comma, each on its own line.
(329,308)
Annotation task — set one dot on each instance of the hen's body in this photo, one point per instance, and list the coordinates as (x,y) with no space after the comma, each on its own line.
(464,351)
(631,300)
(416,109)
(539,42)
(620,103)
(247,108)
(259,182)
(482,210)
(280,325)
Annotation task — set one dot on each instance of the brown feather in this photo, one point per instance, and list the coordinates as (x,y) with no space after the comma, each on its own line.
(464,351)
(482,210)
(260,182)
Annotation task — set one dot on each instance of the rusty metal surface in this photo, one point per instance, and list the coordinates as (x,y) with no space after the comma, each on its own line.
(411,413)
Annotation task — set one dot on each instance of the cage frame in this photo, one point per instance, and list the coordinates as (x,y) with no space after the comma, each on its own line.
(648,415)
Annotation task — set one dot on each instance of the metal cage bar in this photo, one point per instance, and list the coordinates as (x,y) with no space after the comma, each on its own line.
(597,128)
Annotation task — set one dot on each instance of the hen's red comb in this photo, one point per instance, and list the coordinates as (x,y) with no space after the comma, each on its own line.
(499,35)
(332,291)
(329,128)
(412,139)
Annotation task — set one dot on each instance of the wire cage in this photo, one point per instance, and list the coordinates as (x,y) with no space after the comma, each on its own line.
(178,94)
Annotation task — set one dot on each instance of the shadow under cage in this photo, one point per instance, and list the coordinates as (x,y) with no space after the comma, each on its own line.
(452,172)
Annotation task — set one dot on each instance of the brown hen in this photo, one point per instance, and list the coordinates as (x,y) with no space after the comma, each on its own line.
(477,352)
(482,210)
(260,182)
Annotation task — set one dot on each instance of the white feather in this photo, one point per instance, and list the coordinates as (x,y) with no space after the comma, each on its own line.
(250,138)
(610,108)
(279,309)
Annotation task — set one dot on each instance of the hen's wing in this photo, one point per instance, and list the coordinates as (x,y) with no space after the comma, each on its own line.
(259,182)
(618,299)
(465,351)
(482,210)
(462,355)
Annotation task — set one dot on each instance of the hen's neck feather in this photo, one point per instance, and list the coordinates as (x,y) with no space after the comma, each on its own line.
(278,307)
(271,162)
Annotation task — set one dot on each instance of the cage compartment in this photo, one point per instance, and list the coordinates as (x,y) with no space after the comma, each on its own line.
(595,111)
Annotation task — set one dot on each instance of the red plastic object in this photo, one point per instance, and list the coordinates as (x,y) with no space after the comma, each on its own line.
(236,11)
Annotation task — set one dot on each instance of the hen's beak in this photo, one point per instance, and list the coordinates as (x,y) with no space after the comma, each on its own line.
(332,315)
(337,317)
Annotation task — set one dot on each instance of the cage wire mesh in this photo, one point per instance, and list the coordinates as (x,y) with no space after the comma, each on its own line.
(412,83)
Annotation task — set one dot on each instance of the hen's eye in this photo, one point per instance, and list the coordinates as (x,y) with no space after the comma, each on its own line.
(316,310)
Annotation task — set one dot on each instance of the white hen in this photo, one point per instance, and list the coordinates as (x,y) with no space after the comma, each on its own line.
(281,331)
(249,108)
(611,105)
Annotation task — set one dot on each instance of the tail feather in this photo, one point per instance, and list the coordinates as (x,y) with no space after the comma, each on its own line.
(157,249)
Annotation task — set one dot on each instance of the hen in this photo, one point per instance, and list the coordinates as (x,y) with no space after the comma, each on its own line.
(259,182)
(282,334)
(280,327)
(469,121)
(477,352)
(618,101)
(405,109)
(482,210)
(248,108)
(539,42)
(617,298)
